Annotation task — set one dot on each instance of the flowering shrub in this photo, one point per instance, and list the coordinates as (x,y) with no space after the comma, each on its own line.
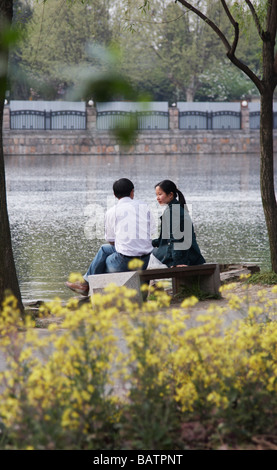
(119,375)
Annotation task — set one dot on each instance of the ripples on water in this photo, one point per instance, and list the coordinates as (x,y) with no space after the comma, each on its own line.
(52,201)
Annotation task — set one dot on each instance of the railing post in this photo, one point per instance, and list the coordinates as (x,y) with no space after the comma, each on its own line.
(91,115)
(173,118)
(6,118)
(209,120)
(47,120)
(245,119)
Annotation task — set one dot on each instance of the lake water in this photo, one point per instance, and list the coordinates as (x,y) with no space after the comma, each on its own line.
(56,206)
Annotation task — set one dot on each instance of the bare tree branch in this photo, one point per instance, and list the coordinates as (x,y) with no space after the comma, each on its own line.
(228,13)
(155,22)
(208,21)
(272,19)
(235,25)
(230,49)
(256,19)
(247,71)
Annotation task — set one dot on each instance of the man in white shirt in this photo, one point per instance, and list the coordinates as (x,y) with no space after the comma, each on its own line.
(129,227)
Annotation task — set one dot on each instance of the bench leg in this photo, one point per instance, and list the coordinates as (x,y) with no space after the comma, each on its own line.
(179,283)
(176,285)
(208,283)
(145,290)
(211,283)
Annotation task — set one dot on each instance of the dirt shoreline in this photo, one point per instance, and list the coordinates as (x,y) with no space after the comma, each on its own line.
(230,274)
(239,288)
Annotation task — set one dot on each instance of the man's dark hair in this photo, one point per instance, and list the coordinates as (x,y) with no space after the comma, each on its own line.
(122,188)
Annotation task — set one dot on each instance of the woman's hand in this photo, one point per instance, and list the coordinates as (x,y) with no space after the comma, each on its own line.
(179,266)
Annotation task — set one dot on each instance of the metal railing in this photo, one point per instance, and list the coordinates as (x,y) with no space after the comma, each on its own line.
(145,120)
(209,120)
(254,120)
(47,120)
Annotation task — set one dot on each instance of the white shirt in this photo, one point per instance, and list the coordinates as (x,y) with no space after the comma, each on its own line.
(130,225)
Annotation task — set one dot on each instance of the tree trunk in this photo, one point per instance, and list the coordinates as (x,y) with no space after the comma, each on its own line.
(266,87)
(190,90)
(267,173)
(8,276)
(266,143)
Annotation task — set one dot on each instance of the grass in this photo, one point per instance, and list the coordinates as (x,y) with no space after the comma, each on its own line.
(196,291)
(188,291)
(264,277)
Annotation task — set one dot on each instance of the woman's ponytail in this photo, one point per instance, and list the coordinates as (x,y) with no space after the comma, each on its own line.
(181,197)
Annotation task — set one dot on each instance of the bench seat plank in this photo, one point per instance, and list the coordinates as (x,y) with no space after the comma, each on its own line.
(207,275)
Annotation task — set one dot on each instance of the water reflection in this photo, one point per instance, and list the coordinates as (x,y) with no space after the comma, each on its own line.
(48,197)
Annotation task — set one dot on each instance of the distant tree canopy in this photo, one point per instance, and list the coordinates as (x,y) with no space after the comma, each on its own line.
(55,39)
(167,52)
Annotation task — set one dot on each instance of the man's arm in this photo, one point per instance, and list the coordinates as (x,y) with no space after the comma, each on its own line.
(110,226)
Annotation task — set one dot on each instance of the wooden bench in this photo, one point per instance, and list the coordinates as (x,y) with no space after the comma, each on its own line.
(206,275)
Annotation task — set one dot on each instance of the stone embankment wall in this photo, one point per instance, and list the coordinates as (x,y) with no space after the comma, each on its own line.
(94,142)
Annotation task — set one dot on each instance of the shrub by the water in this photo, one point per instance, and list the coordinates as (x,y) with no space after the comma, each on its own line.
(113,374)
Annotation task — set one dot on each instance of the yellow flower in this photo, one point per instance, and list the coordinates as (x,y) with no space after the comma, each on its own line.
(254,310)
(75,277)
(217,399)
(25,354)
(189,302)
(244,276)
(135,264)
(235,302)
(227,287)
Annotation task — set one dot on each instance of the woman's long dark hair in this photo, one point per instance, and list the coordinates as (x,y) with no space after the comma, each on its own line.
(169,187)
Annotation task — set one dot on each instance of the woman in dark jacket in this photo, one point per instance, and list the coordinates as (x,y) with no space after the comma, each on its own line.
(177,243)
